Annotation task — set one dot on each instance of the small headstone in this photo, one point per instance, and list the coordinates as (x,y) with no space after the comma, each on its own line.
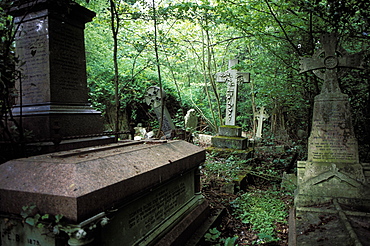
(154,98)
(191,120)
(140,132)
(261,117)
(203,139)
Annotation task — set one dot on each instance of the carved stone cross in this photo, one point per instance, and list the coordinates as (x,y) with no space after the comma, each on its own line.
(261,117)
(154,98)
(233,78)
(331,58)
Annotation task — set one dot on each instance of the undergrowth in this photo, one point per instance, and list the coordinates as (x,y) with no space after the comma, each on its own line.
(258,210)
(262,209)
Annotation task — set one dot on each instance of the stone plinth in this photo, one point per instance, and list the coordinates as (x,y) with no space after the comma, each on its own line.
(137,185)
(53,95)
(230,131)
(230,137)
(332,168)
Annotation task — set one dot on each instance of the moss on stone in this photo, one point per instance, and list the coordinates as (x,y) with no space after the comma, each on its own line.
(229,126)
(230,138)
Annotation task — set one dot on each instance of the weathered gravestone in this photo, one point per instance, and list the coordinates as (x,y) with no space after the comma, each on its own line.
(332,188)
(278,124)
(261,117)
(53,96)
(129,193)
(154,97)
(229,134)
(233,78)
(191,120)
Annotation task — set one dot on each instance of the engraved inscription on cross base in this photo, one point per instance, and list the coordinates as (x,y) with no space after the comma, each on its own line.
(233,78)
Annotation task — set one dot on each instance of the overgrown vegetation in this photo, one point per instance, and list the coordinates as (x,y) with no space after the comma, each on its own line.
(262,209)
(11,133)
(251,192)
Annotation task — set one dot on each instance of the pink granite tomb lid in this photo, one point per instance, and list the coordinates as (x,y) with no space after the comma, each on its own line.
(81,183)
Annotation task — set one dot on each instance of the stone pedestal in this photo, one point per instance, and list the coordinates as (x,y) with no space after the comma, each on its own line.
(53,96)
(230,137)
(133,192)
(332,169)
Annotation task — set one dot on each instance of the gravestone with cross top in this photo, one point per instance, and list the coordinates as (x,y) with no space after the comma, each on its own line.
(332,174)
(327,61)
(154,97)
(332,168)
(261,117)
(233,78)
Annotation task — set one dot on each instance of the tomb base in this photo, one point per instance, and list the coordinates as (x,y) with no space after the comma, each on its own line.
(331,223)
(230,137)
(319,183)
(136,192)
(332,206)
(51,121)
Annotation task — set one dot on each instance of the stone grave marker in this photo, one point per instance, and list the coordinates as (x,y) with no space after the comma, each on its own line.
(229,135)
(331,185)
(53,96)
(154,98)
(261,117)
(191,120)
(233,78)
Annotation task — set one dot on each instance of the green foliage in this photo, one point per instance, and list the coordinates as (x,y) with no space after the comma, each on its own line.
(33,218)
(196,39)
(214,236)
(261,209)
(11,133)
(228,169)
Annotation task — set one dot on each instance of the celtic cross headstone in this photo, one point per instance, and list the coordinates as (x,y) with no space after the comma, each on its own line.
(261,117)
(332,137)
(154,98)
(233,78)
(332,182)
(329,63)
(333,160)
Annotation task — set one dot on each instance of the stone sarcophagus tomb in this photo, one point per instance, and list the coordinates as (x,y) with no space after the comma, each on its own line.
(128,193)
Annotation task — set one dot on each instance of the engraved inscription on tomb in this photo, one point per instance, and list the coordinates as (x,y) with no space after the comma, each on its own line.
(152,210)
(20,234)
(52,61)
(33,48)
(332,139)
(158,208)
(68,58)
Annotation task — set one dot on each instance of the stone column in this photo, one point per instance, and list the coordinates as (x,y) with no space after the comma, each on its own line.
(53,95)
